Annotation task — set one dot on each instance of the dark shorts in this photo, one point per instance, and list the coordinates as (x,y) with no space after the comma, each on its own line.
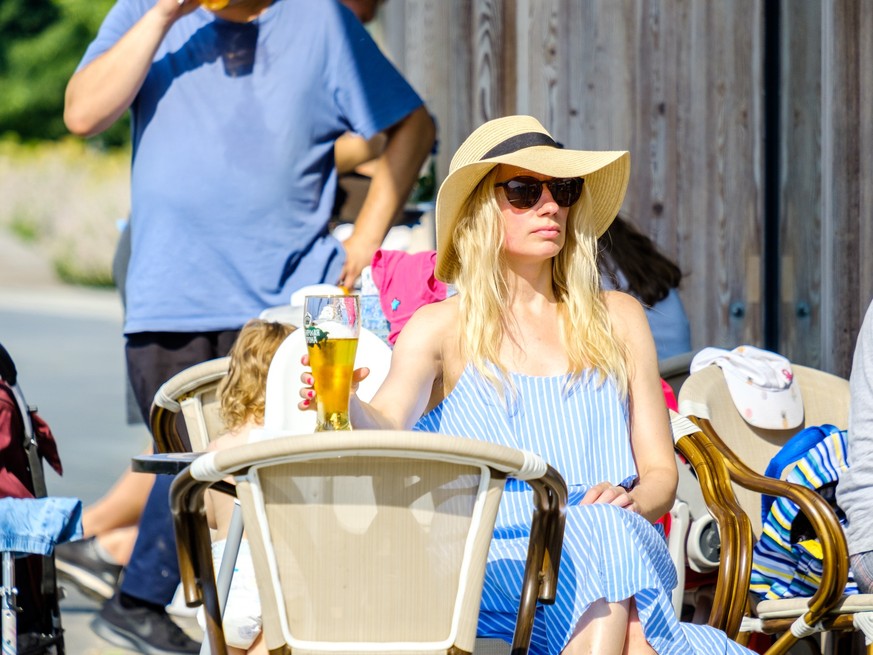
(155,357)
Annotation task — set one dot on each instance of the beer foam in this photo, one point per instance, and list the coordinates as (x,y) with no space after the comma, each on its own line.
(328,313)
(337,330)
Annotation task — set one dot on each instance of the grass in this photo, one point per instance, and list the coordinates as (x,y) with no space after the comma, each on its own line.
(65,198)
(25,228)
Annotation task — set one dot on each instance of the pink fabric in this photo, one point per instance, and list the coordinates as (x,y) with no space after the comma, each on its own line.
(669,396)
(670,399)
(406,282)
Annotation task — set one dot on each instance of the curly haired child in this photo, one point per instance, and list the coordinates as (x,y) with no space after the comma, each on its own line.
(242,396)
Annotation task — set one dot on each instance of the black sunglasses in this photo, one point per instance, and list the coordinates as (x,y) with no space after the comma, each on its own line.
(524,192)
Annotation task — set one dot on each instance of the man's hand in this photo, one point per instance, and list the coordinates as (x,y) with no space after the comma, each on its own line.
(359,253)
(175,9)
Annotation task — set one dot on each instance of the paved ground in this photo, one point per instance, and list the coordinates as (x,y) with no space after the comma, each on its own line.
(68,349)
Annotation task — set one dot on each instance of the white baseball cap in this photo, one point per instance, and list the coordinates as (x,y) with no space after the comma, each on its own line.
(292,313)
(761,385)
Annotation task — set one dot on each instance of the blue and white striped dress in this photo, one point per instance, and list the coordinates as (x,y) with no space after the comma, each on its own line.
(581,429)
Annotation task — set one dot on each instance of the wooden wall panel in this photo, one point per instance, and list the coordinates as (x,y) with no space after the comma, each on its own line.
(679,83)
(425,50)
(846,175)
(455,127)
(800,231)
(542,25)
(488,99)
(864,118)
(697,169)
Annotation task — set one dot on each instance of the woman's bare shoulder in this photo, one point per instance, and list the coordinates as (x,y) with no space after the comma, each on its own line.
(626,313)
(435,318)
(630,325)
(620,303)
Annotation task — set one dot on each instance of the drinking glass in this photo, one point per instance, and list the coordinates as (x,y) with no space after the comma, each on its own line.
(332,325)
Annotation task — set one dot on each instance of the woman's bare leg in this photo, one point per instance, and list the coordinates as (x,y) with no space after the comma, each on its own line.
(601,630)
(609,629)
(636,643)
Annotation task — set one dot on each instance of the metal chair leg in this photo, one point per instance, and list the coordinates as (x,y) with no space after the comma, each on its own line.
(228,562)
(10,619)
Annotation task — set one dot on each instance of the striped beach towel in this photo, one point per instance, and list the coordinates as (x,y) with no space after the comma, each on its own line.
(787,559)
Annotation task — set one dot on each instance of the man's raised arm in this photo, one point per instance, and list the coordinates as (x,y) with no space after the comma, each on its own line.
(98,94)
(409,143)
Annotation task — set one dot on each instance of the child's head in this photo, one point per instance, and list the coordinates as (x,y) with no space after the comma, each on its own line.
(243,390)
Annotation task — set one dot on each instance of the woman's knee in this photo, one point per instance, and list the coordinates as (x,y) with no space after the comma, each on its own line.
(601,629)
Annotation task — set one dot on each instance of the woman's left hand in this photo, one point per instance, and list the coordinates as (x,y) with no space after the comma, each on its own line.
(611,494)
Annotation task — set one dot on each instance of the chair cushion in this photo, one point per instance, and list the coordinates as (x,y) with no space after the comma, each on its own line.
(791,607)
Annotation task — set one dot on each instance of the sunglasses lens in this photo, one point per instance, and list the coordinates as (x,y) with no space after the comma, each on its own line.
(565,191)
(523,192)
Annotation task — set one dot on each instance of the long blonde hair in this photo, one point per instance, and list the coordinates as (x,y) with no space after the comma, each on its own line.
(586,330)
(243,390)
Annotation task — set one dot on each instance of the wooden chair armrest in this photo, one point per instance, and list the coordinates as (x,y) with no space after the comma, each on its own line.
(822,517)
(735,529)
(550,494)
(544,553)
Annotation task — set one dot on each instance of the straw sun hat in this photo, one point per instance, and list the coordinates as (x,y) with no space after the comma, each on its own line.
(522,141)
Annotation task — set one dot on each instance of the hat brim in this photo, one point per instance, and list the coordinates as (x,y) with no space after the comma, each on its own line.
(770,409)
(606,176)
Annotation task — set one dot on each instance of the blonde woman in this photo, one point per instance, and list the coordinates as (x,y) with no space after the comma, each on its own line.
(532,354)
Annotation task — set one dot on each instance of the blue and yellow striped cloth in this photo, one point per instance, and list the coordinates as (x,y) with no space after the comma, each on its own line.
(787,559)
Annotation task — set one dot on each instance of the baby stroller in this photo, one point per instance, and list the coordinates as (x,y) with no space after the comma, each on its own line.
(31,618)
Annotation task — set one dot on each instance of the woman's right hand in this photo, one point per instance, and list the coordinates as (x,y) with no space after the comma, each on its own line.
(307,392)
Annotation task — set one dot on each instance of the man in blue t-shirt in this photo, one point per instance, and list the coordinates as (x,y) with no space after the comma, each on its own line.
(234,116)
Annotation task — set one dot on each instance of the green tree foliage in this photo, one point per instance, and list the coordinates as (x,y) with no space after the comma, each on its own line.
(41,42)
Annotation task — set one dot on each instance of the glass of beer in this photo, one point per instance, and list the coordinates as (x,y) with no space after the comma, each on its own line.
(332,325)
(215,5)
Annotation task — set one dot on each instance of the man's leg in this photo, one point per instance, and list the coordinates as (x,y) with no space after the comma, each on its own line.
(152,574)
(862,568)
(136,614)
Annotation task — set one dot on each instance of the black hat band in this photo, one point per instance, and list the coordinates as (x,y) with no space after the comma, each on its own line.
(519,142)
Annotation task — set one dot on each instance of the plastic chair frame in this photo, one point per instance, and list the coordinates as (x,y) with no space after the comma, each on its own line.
(192,534)
(186,385)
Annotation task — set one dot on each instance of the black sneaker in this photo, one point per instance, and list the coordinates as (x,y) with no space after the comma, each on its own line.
(141,628)
(80,563)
